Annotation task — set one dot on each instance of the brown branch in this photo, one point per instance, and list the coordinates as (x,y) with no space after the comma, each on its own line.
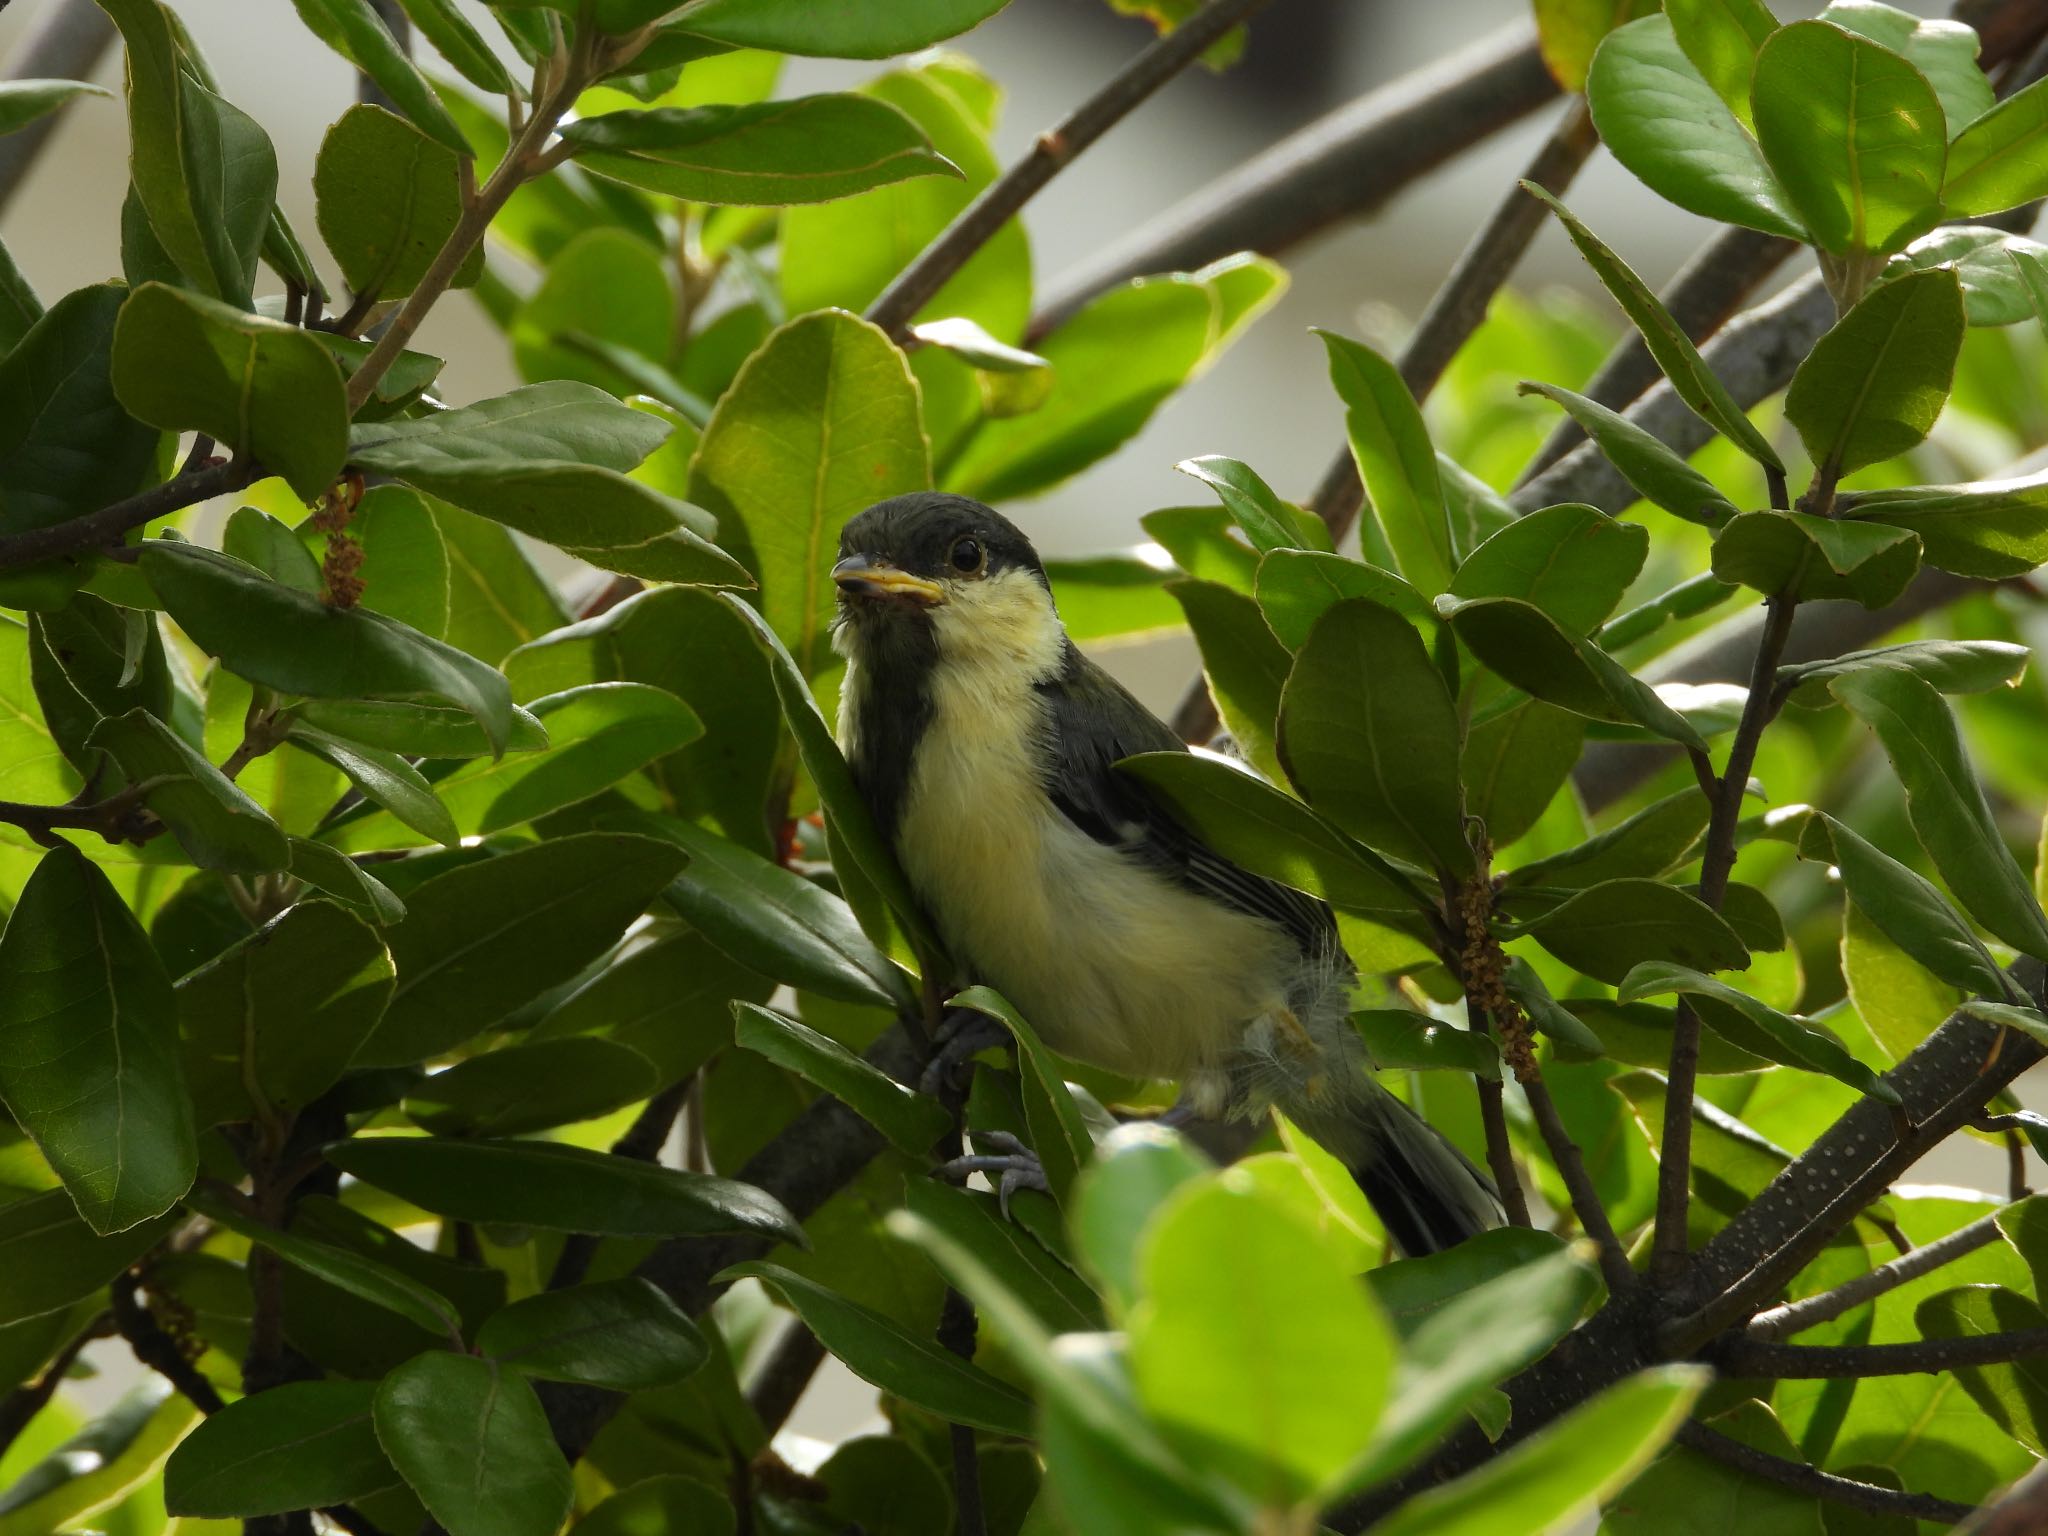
(1811,1311)
(1500,1151)
(1342,166)
(779,1385)
(120,818)
(1826,1362)
(1798,1476)
(957,1330)
(99,530)
(915,286)
(1586,1202)
(154,1347)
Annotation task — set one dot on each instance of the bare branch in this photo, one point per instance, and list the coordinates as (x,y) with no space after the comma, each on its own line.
(154,1347)
(1053,151)
(104,528)
(1811,1311)
(1821,1362)
(1797,1475)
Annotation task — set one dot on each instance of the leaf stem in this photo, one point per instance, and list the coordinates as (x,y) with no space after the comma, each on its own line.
(1054,150)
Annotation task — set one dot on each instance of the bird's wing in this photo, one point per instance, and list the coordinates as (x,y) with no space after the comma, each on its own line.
(1095,723)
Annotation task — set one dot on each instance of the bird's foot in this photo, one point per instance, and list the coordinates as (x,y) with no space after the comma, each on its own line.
(963,1035)
(1013,1166)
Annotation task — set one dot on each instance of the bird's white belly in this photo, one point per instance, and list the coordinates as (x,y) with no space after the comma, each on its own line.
(1110,963)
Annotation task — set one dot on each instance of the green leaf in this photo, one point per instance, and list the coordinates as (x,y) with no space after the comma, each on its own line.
(356,32)
(557,420)
(870,29)
(1788,1039)
(289,640)
(1689,599)
(1058,1134)
(385,779)
(90,660)
(1997,161)
(1653,842)
(1947,803)
(1721,38)
(1899,1000)
(66,446)
(1873,386)
(1135,1169)
(1655,471)
(472,1440)
(1515,762)
(88,1046)
(50,1258)
(19,306)
(912,1122)
(338,876)
(215,822)
(115,1454)
(1567,32)
(415,730)
(1668,126)
(1526,647)
(459,43)
(1586,1455)
(1816,559)
(621,1334)
(387,199)
(1948,666)
(969,342)
(821,422)
(23,101)
(1944,51)
(1687,1493)
(1678,359)
(1244,667)
(1855,135)
(884,1486)
(1062,1301)
(481,939)
(1270,833)
(1295,587)
(1395,460)
(1251,502)
(1573,562)
(559,1187)
(1365,694)
(808,149)
(1274,1366)
(302,1445)
(667,1502)
(2015,1394)
(1987,262)
(1609,929)
(1992,529)
(1398,1039)
(261,388)
(531,1087)
(774,921)
(271,1024)
(879,1350)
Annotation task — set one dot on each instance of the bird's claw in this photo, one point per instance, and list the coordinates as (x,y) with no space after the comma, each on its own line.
(965,1037)
(1013,1167)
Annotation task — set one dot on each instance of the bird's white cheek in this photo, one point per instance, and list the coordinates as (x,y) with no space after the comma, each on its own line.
(1001,622)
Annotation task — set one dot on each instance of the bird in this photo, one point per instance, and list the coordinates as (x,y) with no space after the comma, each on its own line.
(985,745)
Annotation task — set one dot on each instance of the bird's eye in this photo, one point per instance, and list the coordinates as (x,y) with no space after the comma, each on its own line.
(968,556)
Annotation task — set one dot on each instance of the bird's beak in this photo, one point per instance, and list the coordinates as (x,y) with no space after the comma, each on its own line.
(862,577)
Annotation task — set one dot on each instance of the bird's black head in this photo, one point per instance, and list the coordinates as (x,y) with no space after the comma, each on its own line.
(915,553)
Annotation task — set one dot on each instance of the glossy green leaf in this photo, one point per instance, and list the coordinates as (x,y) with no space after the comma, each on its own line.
(353,29)
(870,29)
(90,660)
(385,779)
(846,394)
(2014,1395)
(912,1122)
(559,1187)
(803,150)
(19,306)
(452,36)
(472,1440)
(1573,562)
(1515,762)
(1655,472)
(1395,460)
(1058,1133)
(1992,529)
(531,1087)
(557,420)
(1244,667)
(1244,1305)
(342,878)
(1568,31)
(1944,51)
(415,730)
(1689,599)
(1948,666)
(1988,262)
(1653,842)
(481,939)
(387,198)
(1135,1169)
(259,387)
(666,1502)
(271,1024)
(1998,161)
(1040,1279)
(1790,1040)
(216,823)
(1949,810)
(66,445)
(621,1334)
(879,1350)
(23,101)
(50,1257)
(114,1455)
(1296,586)
(1398,1039)
(1854,134)
(1251,502)
(1704,24)
(1608,929)
(302,1445)
(1364,691)
(88,1046)
(1899,1000)
(1721,38)
(1816,559)
(290,640)
(1668,126)
(1873,386)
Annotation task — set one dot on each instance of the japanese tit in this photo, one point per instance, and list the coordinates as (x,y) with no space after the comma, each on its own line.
(985,743)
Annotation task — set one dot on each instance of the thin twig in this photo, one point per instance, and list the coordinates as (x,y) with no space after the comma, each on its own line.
(957,1329)
(1797,1475)
(915,286)
(97,530)
(1741,1356)
(1500,1151)
(642,1142)
(1811,1311)
(1586,1202)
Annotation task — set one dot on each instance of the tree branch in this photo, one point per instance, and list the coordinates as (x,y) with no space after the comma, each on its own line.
(104,528)
(779,1385)
(1800,1477)
(69,45)
(1586,1202)
(1342,166)
(1740,1356)
(915,286)
(155,1348)
(1811,1311)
